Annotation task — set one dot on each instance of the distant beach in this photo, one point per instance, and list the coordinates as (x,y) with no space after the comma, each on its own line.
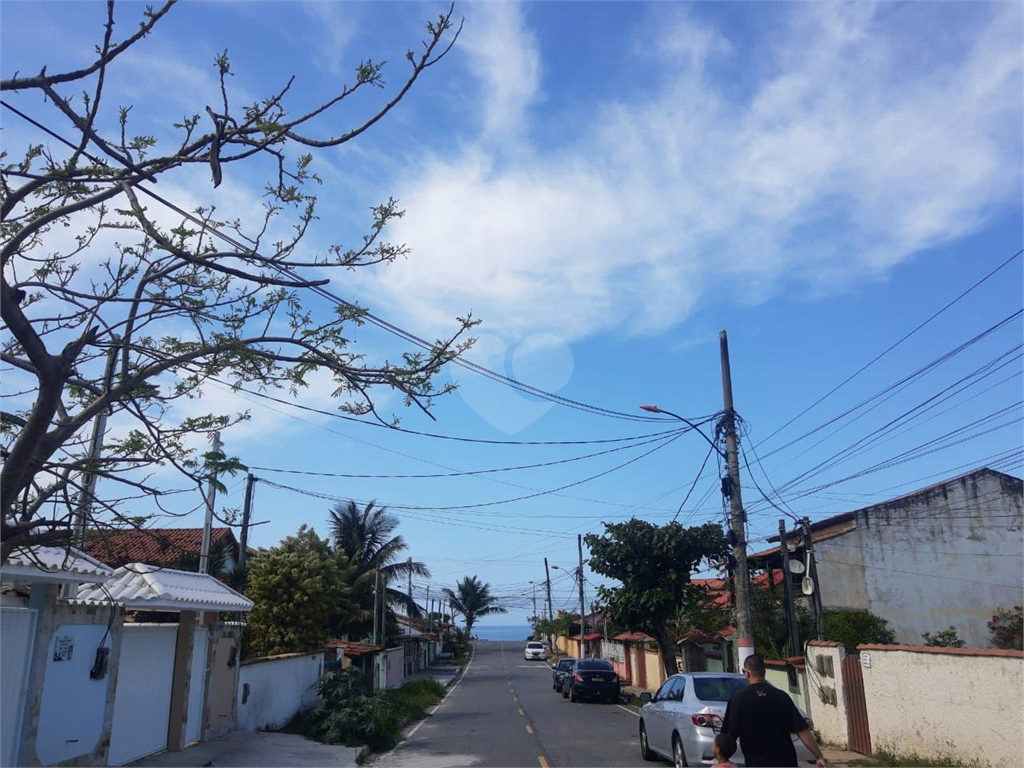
(507,632)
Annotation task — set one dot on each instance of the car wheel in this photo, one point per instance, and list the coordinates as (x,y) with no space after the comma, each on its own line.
(572,694)
(645,749)
(678,755)
(565,691)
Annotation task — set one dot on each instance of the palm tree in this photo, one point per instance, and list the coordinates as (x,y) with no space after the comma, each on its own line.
(365,537)
(473,599)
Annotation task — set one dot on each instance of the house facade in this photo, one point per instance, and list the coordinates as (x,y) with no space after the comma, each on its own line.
(951,554)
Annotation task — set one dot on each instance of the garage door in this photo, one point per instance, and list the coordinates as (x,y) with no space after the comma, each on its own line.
(17,639)
(142,707)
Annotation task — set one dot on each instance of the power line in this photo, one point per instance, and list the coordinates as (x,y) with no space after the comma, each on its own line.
(893,346)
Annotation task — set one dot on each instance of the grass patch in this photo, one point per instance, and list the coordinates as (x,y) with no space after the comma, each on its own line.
(885,759)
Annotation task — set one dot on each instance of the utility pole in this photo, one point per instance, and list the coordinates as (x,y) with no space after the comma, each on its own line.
(211,496)
(547,580)
(534,585)
(243,541)
(376,584)
(430,614)
(409,561)
(744,621)
(794,636)
(583,620)
(812,571)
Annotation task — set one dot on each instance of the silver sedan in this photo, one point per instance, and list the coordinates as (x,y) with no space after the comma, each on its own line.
(681,720)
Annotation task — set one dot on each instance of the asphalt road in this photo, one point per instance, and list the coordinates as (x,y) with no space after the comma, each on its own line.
(503,712)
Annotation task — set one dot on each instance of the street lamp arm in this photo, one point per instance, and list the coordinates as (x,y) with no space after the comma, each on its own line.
(656,409)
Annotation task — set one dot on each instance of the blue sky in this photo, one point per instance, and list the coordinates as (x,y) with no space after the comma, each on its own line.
(608,185)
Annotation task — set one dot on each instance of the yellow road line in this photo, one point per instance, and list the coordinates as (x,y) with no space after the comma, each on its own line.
(521,711)
(529,729)
(542,761)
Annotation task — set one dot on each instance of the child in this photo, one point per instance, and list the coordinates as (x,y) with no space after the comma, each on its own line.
(724,748)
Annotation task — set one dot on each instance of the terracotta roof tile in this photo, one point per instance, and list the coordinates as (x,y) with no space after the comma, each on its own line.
(354,649)
(155,546)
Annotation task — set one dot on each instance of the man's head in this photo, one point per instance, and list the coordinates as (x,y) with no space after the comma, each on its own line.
(725,746)
(753,668)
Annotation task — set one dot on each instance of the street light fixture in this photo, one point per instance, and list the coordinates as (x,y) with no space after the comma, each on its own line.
(656,409)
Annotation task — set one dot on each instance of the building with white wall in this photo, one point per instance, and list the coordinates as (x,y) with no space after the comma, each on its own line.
(951,554)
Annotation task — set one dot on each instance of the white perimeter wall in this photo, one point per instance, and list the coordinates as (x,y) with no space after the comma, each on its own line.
(278,687)
(959,703)
(829,719)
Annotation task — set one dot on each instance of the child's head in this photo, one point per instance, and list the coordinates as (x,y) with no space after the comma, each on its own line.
(725,747)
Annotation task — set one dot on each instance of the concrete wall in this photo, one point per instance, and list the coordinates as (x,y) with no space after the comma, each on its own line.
(951,556)
(655,669)
(394,667)
(828,696)
(68,714)
(779,677)
(272,690)
(956,703)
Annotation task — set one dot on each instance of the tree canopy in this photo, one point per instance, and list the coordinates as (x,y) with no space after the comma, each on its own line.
(653,565)
(473,599)
(300,590)
(364,536)
(116,302)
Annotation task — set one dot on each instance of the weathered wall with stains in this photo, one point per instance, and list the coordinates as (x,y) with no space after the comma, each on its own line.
(828,697)
(951,556)
(959,704)
(273,689)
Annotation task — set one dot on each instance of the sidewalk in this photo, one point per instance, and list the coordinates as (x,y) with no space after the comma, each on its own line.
(259,748)
(443,674)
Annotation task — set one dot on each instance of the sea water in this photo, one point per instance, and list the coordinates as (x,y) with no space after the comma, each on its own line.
(506,632)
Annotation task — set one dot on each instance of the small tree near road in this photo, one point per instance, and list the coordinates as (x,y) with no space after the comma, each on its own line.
(473,599)
(109,307)
(653,565)
(1006,628)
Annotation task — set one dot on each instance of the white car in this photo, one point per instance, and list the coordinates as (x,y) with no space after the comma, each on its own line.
(535,651)
(681,720)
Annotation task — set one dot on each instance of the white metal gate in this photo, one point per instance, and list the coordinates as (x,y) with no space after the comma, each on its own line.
(197,686)
(17,640)
(142,706)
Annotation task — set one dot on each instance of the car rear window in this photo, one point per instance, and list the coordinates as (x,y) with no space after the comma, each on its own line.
(717,688)
(594,664)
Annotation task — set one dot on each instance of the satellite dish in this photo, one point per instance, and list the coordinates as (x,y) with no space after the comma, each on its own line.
(795,566)
(807,586)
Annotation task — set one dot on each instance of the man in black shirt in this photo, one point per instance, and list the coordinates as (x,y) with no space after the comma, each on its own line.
(764,718)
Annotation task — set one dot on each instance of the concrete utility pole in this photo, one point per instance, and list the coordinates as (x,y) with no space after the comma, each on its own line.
(376,584)
(243,541)
(547,580)
(744,621)
(409,561)
(211,497)
(534,585)
(583,620)
(787,581)
(812,571)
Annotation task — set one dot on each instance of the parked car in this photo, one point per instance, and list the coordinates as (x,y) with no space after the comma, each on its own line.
(591,679)
(681,720)
(559,672)
(535,651)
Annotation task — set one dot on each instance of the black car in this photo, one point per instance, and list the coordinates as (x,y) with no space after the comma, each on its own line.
(559,671)
(591,679)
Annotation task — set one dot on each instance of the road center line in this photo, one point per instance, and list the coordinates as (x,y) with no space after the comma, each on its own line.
(529,730)
(521,712)
(542,761)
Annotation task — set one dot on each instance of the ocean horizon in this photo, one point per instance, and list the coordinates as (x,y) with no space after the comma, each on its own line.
(507,632)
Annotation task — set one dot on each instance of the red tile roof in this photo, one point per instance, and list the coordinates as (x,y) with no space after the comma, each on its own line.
(633,637)
(354,649)
(155,546)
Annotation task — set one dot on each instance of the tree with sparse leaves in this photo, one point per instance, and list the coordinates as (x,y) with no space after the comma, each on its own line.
(653,565)
(110,308)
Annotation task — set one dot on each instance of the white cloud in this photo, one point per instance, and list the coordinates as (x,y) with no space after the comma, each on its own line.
(334,32)
(504,57)
(857,147)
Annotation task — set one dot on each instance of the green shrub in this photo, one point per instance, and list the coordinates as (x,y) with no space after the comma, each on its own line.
(853,628)
(947,638)
(349,713)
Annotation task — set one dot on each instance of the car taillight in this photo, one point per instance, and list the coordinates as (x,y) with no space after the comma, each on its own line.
(578,677)
(707,721)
